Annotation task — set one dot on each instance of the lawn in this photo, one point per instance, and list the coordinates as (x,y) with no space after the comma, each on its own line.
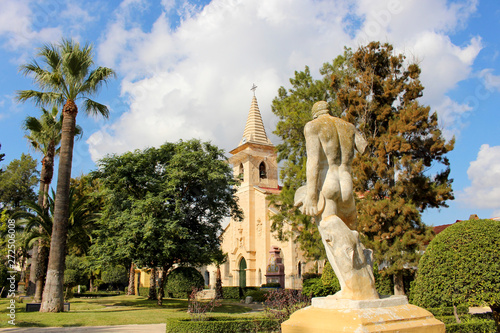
(113,310)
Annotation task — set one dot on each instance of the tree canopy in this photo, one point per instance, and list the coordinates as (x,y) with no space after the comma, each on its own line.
(17,182)
(374,89)
(164,205)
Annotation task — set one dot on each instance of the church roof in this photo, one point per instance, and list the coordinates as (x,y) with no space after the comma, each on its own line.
(254,129)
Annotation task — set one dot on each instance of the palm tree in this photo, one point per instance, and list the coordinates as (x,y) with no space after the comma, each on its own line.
(37,224)
(44,135)
(65,78)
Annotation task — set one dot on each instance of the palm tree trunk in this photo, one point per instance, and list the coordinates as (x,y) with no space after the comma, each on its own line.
(34,254)
(131,280)
(43,253)
(53,293)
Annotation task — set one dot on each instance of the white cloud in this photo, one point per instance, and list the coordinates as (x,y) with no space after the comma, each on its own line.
(24,22)
(194,80)
(490,81)
(483,173)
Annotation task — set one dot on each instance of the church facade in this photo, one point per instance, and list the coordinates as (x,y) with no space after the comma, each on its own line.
(251,248)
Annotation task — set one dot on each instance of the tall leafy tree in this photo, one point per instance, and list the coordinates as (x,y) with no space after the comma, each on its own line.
(65,76)
(164,205)
(374,89)
(17,182)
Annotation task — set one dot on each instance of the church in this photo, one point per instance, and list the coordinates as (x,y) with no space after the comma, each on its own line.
(255,256)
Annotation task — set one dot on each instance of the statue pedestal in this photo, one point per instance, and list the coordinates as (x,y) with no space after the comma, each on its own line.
(389,314)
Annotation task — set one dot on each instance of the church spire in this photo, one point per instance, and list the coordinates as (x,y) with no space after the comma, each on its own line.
(254,129)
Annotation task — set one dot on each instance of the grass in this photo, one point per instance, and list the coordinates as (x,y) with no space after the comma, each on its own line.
(112,310)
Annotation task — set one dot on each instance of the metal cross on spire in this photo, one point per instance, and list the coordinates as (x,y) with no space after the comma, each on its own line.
(254,87)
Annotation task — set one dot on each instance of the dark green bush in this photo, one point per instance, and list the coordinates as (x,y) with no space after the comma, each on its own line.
(222,324)
(329,279)
(307,276)
(460,266)
(182,280)
(115,276)
(327,284)
(257,295)
(232,292)
(271,285)
(383,282)
(448,310)
(315,288)
(476,326)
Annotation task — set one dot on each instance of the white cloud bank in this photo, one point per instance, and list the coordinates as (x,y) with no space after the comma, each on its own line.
(194,80)
(484,173)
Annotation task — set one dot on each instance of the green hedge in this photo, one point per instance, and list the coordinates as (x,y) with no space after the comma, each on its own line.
(232,292)
(476,326)
(222,324)
(448,310)
(257,295)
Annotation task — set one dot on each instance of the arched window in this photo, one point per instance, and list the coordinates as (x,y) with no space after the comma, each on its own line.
(262,170)
(241,173)
(299,269)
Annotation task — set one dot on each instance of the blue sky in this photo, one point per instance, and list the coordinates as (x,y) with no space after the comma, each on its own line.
(185,69)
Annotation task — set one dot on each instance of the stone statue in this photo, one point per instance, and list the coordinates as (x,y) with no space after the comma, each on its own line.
(328,197)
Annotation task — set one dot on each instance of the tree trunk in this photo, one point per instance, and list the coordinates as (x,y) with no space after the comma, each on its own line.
(161,281)
(152,284)
(30,291)
(495,309)
(131,280)
(53,293)
(399,287)
(218,285)
(43,253)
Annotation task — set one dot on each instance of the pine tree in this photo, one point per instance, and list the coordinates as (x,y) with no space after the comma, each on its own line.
(374,89)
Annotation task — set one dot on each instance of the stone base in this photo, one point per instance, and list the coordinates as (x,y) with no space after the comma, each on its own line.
(391,314)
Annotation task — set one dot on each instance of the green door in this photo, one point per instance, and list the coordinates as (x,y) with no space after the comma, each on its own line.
(243,273)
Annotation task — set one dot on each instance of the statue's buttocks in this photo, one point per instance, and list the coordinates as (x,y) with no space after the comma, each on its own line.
(328,196)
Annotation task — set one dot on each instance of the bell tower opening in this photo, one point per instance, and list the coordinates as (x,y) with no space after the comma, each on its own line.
(262,171)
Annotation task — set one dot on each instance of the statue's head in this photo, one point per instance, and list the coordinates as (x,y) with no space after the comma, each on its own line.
(320,108)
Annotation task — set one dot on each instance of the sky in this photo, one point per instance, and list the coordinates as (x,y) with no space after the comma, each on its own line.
(185,69)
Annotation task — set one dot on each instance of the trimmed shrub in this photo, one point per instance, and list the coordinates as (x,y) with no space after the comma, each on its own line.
(460,266)
(448,310)
(232,292)
(476,326)
(307,276)
(271,285)
(257,295)
(222,324)
(329,279)
(182,280)
(115,276)
(383,282)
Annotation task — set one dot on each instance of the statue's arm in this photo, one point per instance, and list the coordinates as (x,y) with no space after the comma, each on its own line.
(313,149)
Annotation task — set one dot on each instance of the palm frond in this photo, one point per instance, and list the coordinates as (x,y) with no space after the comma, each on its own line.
(32,124)
(96,109)
(97,78)
(39,98)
